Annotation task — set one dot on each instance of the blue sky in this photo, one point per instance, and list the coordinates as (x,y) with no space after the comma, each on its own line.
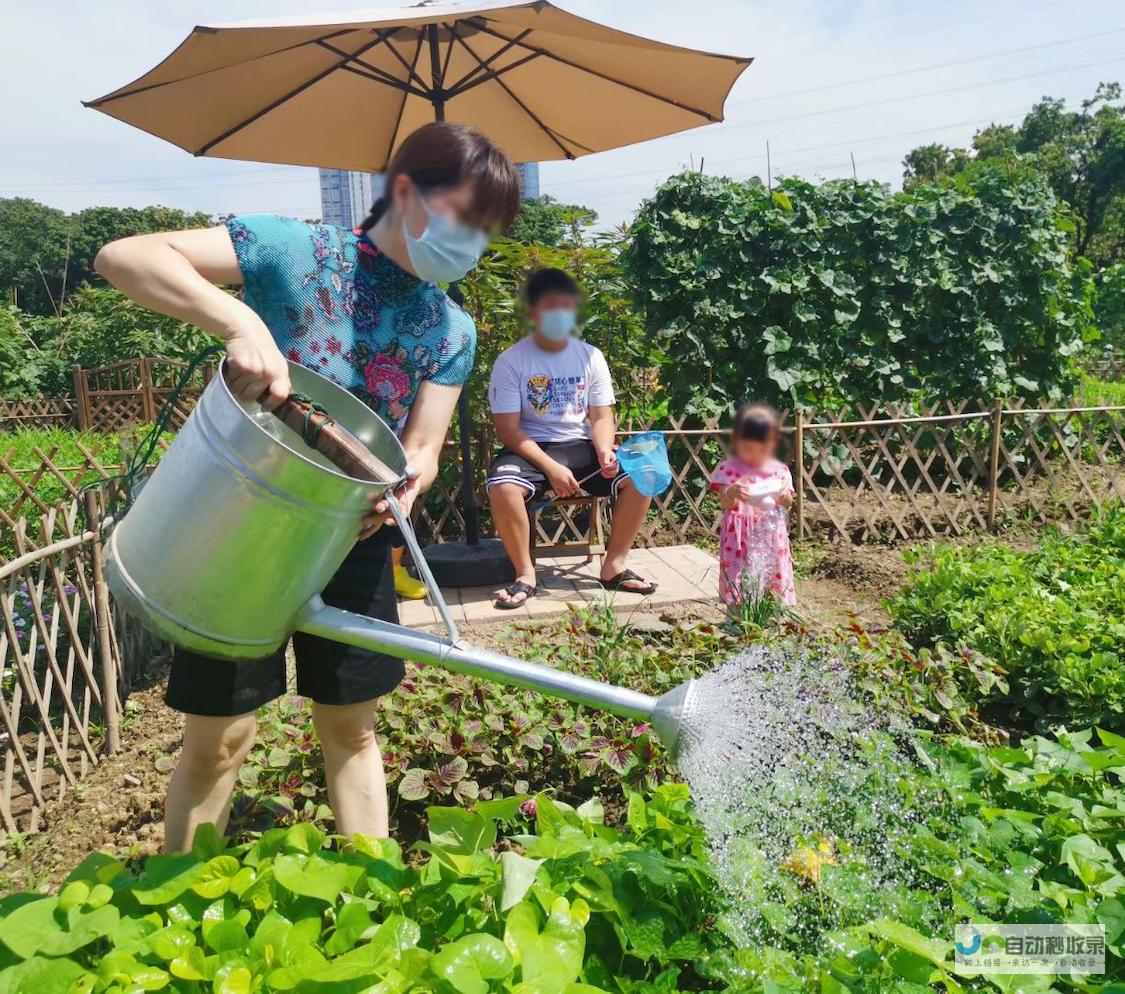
(871,78)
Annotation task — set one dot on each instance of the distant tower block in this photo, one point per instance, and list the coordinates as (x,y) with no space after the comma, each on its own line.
(529,180)
(346,196)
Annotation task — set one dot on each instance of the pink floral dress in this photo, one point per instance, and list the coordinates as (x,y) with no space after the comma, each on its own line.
(754,537)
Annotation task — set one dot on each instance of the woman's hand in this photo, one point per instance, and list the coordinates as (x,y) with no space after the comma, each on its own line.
(380,513)
(561,479)
(256,369)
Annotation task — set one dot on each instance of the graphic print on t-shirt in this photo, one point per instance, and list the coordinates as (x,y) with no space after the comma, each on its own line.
(557,396)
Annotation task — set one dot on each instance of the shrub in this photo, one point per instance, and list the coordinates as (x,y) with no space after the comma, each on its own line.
(1053,618)
(845,293)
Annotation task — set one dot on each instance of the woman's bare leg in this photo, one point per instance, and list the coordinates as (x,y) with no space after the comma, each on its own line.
(203,783)
(353,766)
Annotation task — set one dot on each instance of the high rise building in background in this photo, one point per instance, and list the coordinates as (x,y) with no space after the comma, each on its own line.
(346,197)
(529,180)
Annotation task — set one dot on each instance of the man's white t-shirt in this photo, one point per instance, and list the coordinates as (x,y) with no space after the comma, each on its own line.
(551,391)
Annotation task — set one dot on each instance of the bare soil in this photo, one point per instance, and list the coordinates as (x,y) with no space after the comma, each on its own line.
(117,808)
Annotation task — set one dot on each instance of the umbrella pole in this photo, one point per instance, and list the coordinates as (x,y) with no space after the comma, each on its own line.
(469,506)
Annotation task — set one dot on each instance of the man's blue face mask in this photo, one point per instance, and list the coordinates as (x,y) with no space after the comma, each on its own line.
(557,323)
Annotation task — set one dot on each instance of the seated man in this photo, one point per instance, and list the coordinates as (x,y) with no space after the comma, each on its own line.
(552,403)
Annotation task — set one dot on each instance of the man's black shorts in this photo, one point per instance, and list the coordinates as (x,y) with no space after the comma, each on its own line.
(327,672)
(577,455)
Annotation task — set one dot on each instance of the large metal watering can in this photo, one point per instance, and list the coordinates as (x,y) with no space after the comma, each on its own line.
(229,543)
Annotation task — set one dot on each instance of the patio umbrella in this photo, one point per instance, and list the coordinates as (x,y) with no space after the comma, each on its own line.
(342,90)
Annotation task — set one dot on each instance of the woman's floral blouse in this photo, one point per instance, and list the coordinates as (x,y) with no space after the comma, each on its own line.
(334,303)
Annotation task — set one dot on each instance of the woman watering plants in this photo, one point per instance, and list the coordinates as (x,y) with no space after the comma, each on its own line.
(361,308)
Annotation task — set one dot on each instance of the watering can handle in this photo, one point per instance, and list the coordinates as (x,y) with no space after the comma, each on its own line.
(407,528)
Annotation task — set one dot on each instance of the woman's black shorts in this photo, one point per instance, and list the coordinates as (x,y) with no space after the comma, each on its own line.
(327,672)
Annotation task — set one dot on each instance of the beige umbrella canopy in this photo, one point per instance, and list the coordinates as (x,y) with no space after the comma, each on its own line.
(343,90)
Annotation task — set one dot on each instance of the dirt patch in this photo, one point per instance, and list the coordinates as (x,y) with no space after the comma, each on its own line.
(117,808)
(868,572)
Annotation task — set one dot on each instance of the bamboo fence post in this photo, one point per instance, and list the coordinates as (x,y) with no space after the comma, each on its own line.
(148,402)
(102,621)
(799,467)
(994,462)
(81,398)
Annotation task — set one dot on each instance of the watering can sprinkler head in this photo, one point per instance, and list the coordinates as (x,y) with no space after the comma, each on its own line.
(669,714)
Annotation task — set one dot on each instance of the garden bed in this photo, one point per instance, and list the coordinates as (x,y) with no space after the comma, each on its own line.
(543,848)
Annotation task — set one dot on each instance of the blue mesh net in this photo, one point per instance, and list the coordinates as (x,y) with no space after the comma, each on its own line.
(644,458)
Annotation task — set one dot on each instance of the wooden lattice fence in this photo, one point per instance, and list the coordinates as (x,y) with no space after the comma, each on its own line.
(36,412)
(867,476)
(131,392)
(60,665)
(1111,368)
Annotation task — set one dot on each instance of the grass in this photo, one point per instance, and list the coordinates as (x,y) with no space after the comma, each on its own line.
(1100,393)
(20,450)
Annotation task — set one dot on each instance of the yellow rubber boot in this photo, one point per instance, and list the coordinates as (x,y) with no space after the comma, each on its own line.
(407,587)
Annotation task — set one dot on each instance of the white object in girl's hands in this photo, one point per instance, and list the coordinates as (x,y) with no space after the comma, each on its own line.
(764,492)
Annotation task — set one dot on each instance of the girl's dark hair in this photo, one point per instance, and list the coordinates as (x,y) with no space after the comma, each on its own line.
(544,281)
(756,422)
(444,154)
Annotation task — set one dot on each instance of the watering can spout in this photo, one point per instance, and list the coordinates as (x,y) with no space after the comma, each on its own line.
(423,647)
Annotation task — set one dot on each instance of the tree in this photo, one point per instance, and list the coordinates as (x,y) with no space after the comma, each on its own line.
(545,221)
(34,241)
(46,254)
(1083,155)
(1080,152)
(930,162)
(95,226)
(997,141)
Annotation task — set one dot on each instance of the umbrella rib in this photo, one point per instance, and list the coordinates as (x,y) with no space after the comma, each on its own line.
(448,52)
(402,104)
(203,72)
(601,75)
(204,149)
(367,70)
(527,110)
(410,67)
(464,80)
(491,75)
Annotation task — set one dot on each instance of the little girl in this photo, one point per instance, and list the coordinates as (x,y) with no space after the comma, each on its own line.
(754,489)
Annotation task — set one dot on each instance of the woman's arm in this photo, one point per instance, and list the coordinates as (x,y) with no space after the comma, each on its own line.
(176,273)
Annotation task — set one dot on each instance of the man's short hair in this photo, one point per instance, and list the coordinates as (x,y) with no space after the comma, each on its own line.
(544,281)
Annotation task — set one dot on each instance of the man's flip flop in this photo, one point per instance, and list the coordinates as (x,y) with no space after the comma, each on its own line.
(618,583)
(519,587)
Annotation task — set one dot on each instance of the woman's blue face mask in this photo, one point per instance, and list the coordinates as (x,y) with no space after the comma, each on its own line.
(446,250)
(557,323)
